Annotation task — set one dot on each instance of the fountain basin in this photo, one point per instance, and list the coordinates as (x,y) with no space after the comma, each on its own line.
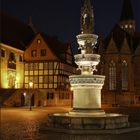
(87,59)
(83,39)
(77,124)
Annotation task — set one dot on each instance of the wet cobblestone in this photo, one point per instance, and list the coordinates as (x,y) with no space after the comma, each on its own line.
(22,124)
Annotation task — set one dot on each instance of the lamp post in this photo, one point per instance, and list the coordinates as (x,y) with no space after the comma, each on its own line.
(24,94)
(30,86)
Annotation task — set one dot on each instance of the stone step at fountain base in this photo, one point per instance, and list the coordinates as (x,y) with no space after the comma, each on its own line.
(91,132)
(69,123)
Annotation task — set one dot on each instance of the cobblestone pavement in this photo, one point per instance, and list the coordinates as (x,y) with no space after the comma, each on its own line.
(22,124)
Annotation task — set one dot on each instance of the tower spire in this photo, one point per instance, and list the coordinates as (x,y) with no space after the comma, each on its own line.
(127,21)
(87,18)
(127,11)
(30,23)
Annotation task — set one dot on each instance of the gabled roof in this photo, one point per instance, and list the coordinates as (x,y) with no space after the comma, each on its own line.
(55,44)
(127,12)
(13,32)
(119,35)
(137,52)
(57,47)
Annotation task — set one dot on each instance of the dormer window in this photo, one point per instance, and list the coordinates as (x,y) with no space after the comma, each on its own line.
(38,41)
(43,52)
(33,53)
(130,26)
(126,26)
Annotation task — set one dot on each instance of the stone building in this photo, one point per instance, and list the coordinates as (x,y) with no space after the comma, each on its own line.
(120,61)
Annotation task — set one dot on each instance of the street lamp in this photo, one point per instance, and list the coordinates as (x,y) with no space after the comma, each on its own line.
(24,94)
(30,86)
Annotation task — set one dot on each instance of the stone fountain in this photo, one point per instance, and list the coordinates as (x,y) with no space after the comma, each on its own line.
(87,116)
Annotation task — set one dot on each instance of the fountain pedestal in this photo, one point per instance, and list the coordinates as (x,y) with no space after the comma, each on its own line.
(87,94)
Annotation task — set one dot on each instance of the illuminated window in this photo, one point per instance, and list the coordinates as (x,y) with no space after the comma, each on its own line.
(40,85)
(33,53)
(46,65)
(50,65)
(26,67)
(46,72)
(126,26)
(46,80)
(2,53)
(35,66)
(112,76)
(31,78)
(43,52)
(40,66)
(38,41)
(36,79)
(124,75)
(35,72)
(31,66)
(40,79)
(31,72)
(130,26)
(26,79)
(55,79)
(40,72)
(50,79)
(26,73)
(50,72)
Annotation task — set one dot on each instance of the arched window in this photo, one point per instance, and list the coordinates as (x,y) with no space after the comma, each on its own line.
(124,75)
(112,76)
(12,61)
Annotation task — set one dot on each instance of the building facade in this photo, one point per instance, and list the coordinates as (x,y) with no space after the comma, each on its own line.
(48,64)
(27,56)
(120,61)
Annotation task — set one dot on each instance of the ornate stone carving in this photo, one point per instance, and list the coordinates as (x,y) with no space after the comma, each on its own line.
(87,80)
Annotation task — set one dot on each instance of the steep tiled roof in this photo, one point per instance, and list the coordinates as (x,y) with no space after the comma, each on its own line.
(13,32)
(119,34)
(58,48)
(55,44)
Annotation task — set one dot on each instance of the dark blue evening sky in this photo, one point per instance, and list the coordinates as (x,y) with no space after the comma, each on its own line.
(62,17)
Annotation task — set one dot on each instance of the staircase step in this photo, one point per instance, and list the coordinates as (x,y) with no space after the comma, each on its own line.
(5,94)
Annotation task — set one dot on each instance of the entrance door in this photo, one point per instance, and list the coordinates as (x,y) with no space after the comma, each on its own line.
(22,99)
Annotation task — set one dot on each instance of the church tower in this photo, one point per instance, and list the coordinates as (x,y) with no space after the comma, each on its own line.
(87,18)
(127,21)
